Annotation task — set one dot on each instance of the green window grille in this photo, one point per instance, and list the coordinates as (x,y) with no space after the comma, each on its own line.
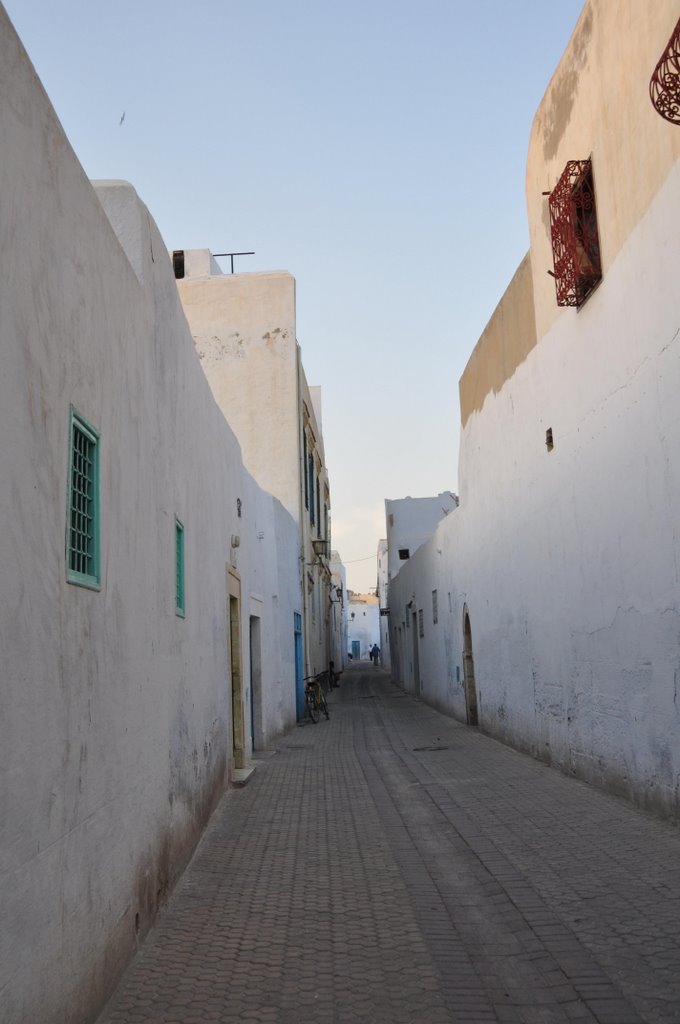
(304,464)
(318,507)
(180,605)
(311,487)
(82,527)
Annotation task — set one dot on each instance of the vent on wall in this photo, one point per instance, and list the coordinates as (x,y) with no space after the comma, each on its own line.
(178,262)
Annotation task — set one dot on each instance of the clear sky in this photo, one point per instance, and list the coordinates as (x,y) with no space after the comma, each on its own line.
(375,149)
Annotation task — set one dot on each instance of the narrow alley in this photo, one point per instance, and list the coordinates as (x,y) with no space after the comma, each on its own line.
(392,865)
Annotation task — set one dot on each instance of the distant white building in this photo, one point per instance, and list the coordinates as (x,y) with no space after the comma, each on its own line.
(382,591)
(410,522)
(338,612)
(363,624)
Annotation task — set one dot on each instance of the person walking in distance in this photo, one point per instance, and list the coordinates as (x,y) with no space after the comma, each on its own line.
(375,654)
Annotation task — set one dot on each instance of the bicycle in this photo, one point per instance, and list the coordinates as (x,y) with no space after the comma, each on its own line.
(315,701)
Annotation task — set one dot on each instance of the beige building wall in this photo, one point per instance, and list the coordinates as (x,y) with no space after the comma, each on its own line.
(597,105)
(243,326)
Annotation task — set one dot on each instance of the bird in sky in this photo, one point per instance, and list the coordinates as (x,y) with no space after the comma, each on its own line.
(121,120)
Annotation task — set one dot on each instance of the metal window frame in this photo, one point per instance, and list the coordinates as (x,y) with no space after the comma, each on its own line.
(305,467)
(318,507)
(91,579)
(664,86)
(310,468)
(180,594)
(574,234)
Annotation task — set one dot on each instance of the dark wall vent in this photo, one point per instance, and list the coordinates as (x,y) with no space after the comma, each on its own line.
(178,262)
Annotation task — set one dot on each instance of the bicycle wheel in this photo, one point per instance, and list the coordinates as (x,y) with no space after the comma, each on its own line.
(324,707)
(312,708)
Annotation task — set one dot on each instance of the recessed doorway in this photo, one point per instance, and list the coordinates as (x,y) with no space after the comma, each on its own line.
(469,671)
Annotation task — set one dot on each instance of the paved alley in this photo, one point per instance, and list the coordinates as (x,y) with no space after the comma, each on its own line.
(392,865)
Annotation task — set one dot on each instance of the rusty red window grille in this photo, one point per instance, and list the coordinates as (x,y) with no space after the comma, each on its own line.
(664,87)
(573,230)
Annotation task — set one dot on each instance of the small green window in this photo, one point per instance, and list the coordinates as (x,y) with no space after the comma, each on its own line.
(82,525)
(179,569)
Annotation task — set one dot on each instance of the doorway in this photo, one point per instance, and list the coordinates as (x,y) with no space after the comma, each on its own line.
(356,650)
(255,683)
(416,654)
(299,671)
(469,671)
(237,718)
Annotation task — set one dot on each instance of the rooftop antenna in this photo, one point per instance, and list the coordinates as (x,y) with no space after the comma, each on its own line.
(232,254)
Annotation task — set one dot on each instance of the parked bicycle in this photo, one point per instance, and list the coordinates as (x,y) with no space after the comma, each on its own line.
(315,700)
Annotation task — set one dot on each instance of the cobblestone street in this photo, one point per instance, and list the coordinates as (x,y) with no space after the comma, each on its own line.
(392,865)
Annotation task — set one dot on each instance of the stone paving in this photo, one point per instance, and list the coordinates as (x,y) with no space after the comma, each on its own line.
(392,865)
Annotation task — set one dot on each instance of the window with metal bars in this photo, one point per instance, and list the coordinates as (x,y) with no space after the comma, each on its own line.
(310,467)
(574,234)
(82,527)
(304,466)
(180,604)
(318,507)
(664,87)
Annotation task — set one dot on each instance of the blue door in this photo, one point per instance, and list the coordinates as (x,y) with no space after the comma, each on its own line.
(356,650)
(299,671)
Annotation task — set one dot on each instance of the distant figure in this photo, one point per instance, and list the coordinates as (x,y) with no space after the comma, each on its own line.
(333,676)
(375,654)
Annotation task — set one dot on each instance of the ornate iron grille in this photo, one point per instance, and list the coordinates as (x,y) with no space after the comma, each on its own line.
(573,230)
(664,87)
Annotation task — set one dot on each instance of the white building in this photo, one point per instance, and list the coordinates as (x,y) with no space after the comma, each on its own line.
(363,624)
(140,565)
(555,624)
(243,326)
(382,590)
(339,614)
(410,521)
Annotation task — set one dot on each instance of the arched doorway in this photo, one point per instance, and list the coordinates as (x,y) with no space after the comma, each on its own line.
(469,671)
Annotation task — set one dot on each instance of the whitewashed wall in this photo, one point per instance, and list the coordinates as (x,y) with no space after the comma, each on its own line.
(410,521)
(364,626)
(244,329)
(115,732)
(572,582)
(338,612)
(383,601)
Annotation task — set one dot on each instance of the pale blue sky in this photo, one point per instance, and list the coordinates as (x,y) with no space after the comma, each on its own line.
(376,150)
